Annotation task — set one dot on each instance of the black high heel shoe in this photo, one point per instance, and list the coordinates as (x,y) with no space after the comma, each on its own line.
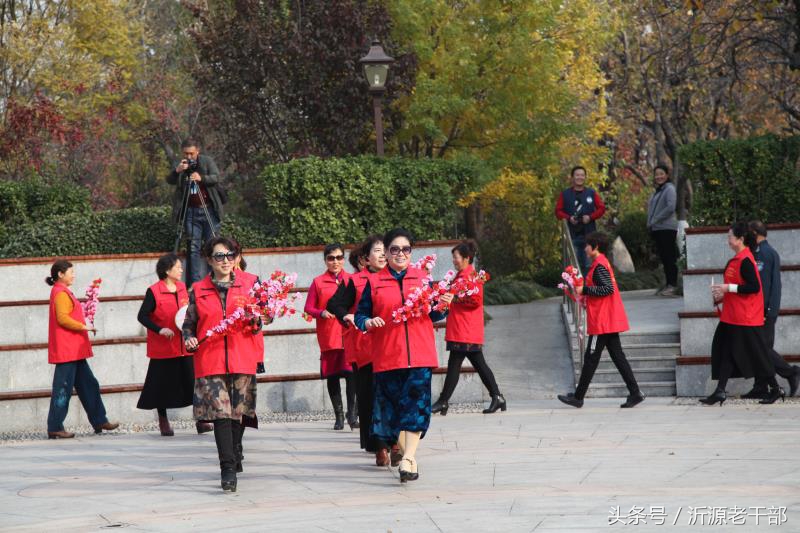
(498,402)
(407,475)
(717,396)
(773,395)
(440,407)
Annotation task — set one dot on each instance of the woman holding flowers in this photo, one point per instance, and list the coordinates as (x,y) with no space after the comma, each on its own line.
(465,334)
(404,352)
(605,320)
(224,364)
(68,348)
(170,374)
(370,258)
(333,363)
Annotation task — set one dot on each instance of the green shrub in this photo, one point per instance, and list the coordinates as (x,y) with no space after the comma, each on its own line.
(316,201)
(643,279)
(131,230)
(743,179)
(512,291)
(633,231)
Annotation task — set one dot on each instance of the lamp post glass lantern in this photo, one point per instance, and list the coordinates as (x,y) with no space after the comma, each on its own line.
(376,69)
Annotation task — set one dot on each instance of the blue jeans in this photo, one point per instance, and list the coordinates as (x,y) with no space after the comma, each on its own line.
(579,242)
(199,231)
(75,374)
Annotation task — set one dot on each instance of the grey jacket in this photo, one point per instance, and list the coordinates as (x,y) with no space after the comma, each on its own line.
(769,268)
(661,208)
(212,179)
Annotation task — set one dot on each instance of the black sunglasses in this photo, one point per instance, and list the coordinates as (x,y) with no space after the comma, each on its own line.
(219,257)
(335,258)
(395,250)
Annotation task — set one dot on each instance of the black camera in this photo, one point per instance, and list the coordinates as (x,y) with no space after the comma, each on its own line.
(193,163)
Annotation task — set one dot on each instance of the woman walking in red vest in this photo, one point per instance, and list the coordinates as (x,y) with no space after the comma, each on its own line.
(606,319)
(465,336)
(370,258)
(738,348)
(68,348)
(170,374)
(330,335)
(404,354)
(224,366)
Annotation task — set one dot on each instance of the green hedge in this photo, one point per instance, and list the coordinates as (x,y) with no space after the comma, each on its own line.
(113,232)
(743,179)
(504,291)
(316,201)
(35,199)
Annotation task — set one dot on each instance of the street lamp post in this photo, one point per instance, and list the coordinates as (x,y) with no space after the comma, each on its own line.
(376,69)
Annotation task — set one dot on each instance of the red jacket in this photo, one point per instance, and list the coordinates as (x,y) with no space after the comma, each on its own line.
(604,314)
(742,309)
(65,345)
(329,331)
(248,280)
(465,319)
(158,346)
(408,344)
(357,344)
(231,354)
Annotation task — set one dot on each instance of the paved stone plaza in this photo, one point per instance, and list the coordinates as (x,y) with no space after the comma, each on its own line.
(540,466)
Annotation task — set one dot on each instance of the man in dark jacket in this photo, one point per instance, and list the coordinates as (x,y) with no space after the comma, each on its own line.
(769,268)
(203,202)
(580,206)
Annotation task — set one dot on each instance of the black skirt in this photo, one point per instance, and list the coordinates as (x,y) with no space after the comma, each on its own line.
(746,347)
(169,384)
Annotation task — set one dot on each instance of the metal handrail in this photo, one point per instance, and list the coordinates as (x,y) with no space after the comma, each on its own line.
(569,257)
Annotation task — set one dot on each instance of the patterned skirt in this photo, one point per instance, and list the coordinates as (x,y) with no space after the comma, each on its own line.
(225,396)
(402,402)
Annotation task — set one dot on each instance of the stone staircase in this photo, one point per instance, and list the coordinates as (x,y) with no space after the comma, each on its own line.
(651,354)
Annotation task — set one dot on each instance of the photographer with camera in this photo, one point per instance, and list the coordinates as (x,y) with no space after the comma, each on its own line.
(196,204)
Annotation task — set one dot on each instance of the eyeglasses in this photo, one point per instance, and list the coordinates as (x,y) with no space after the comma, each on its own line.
(219,257)
(395,250)
(335,258)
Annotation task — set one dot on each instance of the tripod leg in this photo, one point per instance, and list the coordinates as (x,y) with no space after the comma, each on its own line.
(208,216)
(181,219)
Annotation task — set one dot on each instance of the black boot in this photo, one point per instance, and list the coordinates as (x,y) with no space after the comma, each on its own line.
(441,406)
(773,395)
(223,435)
(498,402)
(794,381)
(718,396)
(238,433)
(755,394)
(352,417)
(338,410)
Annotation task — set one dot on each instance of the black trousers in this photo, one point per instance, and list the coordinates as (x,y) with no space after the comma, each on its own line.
(365,397)
(454,371)
(782,368)
(228,437)
(591,360)
(335,391)
(667,248)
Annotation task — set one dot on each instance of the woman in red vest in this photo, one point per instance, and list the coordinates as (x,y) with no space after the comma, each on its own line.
(605,320)
(738,348)
(224,365)
(330,335)
(369,258)
(404,354)
(170,374)
(465,336)
(68,348)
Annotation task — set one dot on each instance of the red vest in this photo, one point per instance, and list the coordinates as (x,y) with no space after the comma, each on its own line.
(465,319)
(158,346)
(65,345)
(742,309)
(248,280)
(604,314)
(231,354)
(408,344)
(357,344)
(329,331)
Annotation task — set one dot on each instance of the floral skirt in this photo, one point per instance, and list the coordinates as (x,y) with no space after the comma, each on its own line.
(225,396)
(402,402)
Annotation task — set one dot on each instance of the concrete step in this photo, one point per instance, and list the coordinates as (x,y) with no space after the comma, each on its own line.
(663,350)
(697,334)
(611,375)
(697,296)
(636,362)
(649,388)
